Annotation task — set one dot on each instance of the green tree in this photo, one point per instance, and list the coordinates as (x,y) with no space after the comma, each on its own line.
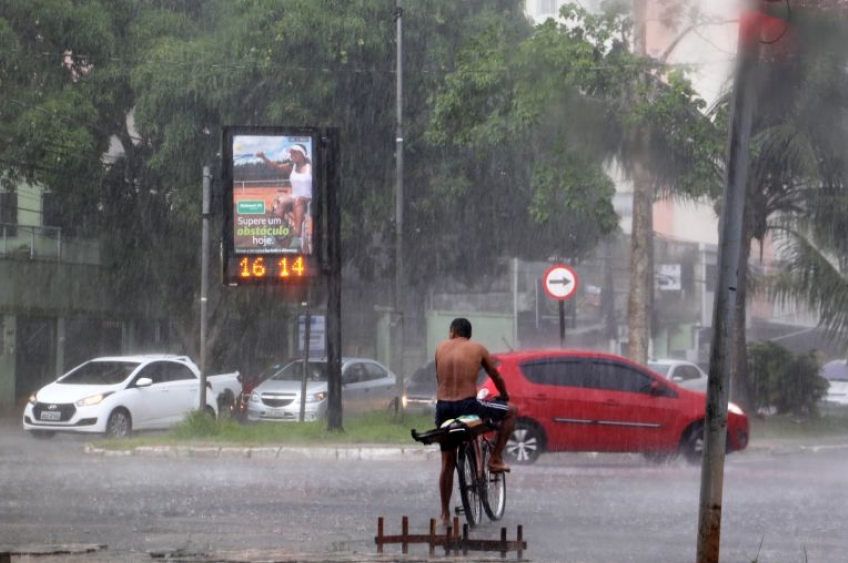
(797,179)
(161,78)
(789,383)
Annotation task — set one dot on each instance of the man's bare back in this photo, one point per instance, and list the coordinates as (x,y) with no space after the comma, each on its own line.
(458,360)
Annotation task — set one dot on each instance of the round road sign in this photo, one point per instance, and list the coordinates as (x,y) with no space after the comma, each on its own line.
(560,282)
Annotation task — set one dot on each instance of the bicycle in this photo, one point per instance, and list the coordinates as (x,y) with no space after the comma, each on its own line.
(480,490)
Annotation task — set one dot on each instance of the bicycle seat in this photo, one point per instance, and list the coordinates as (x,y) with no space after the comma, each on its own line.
(462,422)
(456,429)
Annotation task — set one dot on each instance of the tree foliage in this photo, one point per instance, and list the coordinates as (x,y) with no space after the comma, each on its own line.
(507,128)
(789,383)
(799,170)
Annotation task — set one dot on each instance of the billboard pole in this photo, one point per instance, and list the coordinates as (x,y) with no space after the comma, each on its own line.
(307,340)
(204,283)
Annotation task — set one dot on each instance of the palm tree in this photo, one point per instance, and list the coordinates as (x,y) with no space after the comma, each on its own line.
(798,174)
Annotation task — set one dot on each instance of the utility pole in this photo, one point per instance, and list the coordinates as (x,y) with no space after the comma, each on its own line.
(204,282)
(727,293)
(397,320)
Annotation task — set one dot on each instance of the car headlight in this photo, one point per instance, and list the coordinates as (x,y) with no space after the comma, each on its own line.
(92,400)
(254,397)
(33,398)
(316,397)
(734,408)
(405,401)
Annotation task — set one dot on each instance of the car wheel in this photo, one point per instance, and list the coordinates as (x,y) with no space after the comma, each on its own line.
(692,444)
(42,434)
(525,443)
(119,424)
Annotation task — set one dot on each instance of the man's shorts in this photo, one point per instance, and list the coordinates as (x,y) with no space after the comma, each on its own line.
(446,410)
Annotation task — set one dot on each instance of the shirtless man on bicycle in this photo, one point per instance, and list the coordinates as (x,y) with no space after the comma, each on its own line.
(458,360)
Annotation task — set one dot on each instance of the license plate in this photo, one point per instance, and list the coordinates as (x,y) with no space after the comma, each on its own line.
(51,415)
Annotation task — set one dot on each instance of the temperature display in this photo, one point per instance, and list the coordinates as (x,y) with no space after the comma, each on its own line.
(268,268)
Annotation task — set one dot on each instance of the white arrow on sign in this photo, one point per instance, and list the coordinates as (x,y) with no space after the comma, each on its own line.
(560,282)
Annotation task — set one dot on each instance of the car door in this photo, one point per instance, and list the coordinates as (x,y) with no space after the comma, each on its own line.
(556,396)
(148,405)
(182,389)
(353,387)
(635,410)
(379,387)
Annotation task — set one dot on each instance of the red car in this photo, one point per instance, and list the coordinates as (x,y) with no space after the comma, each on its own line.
(582,401)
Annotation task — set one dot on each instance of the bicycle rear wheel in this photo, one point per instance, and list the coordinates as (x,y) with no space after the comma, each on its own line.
(494,496)
(469,484)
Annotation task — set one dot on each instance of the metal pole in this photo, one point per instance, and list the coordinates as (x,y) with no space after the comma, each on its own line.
(398,304)
(307,337)
(515,303)
(562,323)
(725,306)
(204,282)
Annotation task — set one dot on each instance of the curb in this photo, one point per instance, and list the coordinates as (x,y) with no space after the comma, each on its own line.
(377,452)
(344,453)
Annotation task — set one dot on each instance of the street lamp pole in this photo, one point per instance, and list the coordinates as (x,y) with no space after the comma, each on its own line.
(398,294)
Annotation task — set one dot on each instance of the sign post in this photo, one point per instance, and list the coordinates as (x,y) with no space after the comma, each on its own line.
(560,283)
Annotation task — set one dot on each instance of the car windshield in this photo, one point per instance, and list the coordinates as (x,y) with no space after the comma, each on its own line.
(661,369)
(294,372)
(100,373)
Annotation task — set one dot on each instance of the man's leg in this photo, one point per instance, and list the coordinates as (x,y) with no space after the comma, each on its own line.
(507,426)
(446,484)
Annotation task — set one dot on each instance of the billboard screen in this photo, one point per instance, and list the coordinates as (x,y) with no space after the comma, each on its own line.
(270,205)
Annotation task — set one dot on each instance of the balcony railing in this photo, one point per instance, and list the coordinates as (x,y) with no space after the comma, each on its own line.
(46,243)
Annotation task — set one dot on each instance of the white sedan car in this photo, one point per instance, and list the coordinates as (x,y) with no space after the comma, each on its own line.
(116,395)
(684,373)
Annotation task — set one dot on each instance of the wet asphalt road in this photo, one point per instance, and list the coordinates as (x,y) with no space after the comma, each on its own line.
(782,503)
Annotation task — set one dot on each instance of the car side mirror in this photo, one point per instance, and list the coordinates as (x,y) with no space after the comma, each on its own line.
(657,389)
(144,382)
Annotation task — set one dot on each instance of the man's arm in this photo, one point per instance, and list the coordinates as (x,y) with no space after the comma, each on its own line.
(495,376)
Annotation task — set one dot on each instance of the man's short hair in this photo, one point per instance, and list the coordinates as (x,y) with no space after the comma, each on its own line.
(461,327)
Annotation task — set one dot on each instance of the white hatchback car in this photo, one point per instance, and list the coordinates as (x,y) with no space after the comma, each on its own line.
(119,394)
(366,385)
(684,373)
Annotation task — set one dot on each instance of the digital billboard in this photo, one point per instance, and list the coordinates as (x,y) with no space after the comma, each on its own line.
(270,202)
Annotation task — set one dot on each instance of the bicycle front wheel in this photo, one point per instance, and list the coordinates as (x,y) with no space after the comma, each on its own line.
(494,497)
(469,484)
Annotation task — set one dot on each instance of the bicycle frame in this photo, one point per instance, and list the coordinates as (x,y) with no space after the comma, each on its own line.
(473,446)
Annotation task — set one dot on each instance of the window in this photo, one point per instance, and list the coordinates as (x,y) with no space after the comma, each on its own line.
(562,372)
(9,213)
(617,377)
(685,373)
(174,371)
(374,372)
(154,371)
(353,374)
(51,211)
(711,277)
